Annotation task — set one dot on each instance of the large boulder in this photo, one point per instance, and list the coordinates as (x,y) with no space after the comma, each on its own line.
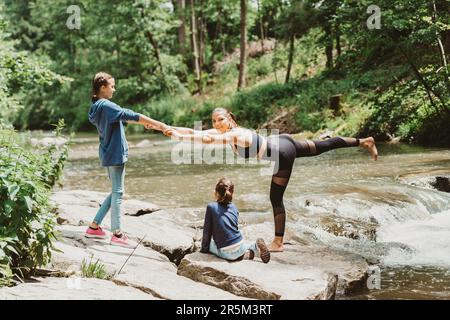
(303,271)
(254,279)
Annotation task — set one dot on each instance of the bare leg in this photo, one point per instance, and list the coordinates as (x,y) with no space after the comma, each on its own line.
(369,144)
(276,245)
(277,188)
(310,148)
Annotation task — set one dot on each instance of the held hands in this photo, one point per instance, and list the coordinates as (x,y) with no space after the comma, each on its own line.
(166,130)
(207,139)
(169,131)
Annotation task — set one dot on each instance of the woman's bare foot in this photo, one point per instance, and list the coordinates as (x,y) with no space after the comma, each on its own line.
(369,144)
(276,245)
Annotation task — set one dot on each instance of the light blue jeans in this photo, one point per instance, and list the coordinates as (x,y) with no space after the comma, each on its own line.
(232,254)
(114,200)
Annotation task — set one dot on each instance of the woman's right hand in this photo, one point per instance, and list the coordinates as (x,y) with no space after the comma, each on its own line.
(168,131)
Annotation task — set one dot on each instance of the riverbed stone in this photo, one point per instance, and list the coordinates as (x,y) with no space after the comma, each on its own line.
(48,141)
(436,180)
(171,232)
(349,228)
(302,271)
(171,237)
(254,279)
(74,288)
(146,269)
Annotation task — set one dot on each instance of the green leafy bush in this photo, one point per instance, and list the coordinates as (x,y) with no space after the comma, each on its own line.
(26,215)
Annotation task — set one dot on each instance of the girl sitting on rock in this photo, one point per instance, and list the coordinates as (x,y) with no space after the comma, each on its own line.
(221,223)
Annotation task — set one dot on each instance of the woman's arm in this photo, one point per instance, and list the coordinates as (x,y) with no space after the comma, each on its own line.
(150,123)
(236,137)
(183,130)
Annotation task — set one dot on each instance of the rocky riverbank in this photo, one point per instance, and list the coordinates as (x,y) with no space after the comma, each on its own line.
(167,264)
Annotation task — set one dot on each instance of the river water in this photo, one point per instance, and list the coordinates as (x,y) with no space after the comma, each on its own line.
(341,198)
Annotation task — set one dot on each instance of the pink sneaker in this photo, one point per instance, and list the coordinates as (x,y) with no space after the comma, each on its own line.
(123,241)
(95,233)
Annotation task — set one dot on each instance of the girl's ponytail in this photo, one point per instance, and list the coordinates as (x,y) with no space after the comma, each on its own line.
(100,79)
(224,191)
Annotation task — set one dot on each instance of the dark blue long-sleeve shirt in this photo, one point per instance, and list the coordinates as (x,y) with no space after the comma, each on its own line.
(221,223)
(107,117)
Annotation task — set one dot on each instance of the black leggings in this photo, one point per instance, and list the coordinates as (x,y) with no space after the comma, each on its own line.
(290,149)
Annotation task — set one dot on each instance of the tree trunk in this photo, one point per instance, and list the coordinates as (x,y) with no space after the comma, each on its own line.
(427,87)
(261,27)
(152,41)
(155,49)
(201,37)
(181,8)
(338,44)
(274,64)
(194,46)
(338,48)
(441,48)
(219,28)
(329,46)
(241,81)
(291,57)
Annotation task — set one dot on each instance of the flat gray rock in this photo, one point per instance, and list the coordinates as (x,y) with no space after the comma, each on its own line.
(147,270)
(254,279)
(165,230)
(302,271)
(306,270)
(73,288)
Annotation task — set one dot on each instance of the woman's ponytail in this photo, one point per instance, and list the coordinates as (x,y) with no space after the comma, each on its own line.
(230,115)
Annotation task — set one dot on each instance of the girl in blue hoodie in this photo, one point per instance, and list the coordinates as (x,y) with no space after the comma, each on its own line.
(108,117)
(221,235)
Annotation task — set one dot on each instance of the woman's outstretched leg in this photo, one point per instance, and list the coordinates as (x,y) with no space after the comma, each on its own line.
(309,148)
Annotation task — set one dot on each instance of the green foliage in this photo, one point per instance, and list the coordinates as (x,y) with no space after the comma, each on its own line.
(116,41)
(171,110)
(258,68)
(138,43)
(252,106)
(20,73)
(26,216)
(404,111)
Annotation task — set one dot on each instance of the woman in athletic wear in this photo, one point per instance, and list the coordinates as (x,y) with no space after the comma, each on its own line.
(280,148)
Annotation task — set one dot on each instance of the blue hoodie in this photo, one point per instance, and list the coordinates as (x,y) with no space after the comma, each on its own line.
(107,117)
(221,223)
